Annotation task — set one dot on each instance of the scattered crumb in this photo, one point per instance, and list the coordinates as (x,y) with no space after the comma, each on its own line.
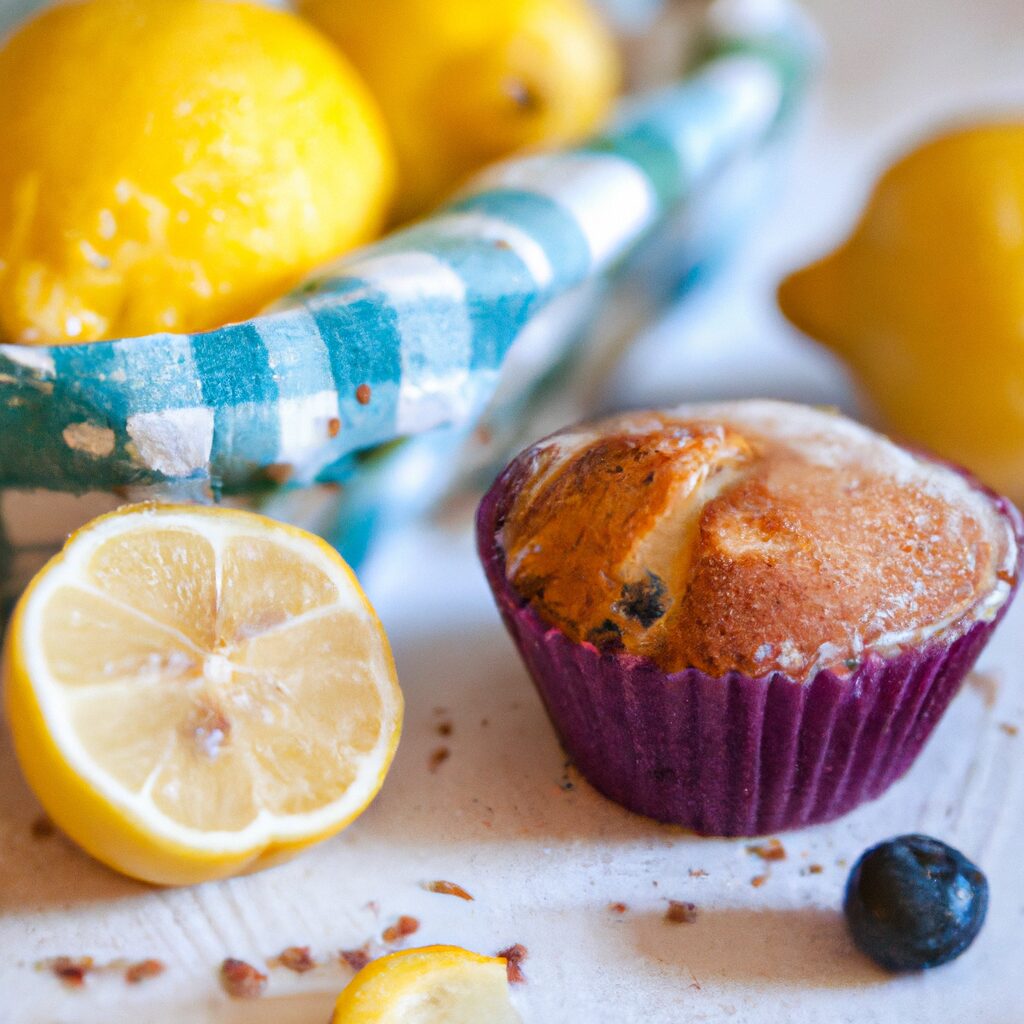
(438,710)
(295,958)
(841,863)
(333,427)
(444,728)
(448,889)
(618,908)
(681,913)
(373,907)
(694,984)
(280,472)
(71,970)
(241,980)
(758,880)
(143,970)
(404,926)
(698,873)
(815,869)
(484,722)
(438,758)
(986,686)
(363,394)
(43,827)
(357,959)
(1009,728)
(515,955)
(771,850)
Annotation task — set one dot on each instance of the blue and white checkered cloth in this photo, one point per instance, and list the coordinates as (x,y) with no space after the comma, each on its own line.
(410,333)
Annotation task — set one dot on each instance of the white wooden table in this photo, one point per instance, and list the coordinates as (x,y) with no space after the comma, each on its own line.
(543,855)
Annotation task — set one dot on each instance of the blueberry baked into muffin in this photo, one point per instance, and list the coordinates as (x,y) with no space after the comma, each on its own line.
(748,616)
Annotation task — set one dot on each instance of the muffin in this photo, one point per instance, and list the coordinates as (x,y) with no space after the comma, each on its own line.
(744,617)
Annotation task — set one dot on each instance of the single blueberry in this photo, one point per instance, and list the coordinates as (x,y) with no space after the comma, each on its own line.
(913,902)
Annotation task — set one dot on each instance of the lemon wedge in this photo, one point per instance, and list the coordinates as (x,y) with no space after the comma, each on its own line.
(430,985)
(195,692)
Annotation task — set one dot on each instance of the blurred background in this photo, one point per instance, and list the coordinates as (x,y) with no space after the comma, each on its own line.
(891,74)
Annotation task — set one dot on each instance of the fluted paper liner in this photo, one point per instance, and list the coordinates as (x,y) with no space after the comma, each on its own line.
(732,755)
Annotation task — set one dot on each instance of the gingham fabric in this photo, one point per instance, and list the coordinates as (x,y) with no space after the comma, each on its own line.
(405,335)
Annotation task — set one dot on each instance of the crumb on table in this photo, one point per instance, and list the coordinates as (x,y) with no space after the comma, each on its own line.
(143,970)
(71,970)
(241,980)
(295,958)
(770,851)
(438,758)
(403,927)
(514,956)
(986,685)
(681,912)
(357,959)
(448,889)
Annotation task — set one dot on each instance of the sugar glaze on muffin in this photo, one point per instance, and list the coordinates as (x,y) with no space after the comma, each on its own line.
(751,536)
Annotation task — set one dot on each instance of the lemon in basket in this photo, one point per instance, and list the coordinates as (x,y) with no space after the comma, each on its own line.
(196,692)
(174,165)
(465,82)
(430,985)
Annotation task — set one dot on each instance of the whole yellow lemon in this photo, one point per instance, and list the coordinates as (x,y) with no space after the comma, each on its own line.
(926,299)
(463,82)
(173,165)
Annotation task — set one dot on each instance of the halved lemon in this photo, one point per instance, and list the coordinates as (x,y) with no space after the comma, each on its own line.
(196,692)
(430,985)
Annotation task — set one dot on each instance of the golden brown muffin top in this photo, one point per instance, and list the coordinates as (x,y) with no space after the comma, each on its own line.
(756,536)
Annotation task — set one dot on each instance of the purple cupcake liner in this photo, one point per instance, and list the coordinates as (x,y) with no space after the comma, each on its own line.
(732,755)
